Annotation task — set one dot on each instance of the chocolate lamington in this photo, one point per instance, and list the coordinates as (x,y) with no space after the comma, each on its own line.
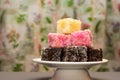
(94,54)
(51,54)
(75,54)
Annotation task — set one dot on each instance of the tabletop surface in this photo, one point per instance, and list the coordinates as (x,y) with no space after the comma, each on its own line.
(48,75)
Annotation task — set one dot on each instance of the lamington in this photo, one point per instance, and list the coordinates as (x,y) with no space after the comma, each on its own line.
(51,54)
(75,54)
(94,54)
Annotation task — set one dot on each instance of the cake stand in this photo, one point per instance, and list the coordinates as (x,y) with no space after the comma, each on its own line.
(70,70)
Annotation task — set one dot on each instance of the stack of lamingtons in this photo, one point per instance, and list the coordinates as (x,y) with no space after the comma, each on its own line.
(70,44)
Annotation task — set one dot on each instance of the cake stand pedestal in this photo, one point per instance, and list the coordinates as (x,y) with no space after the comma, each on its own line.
(71,74)
(70,70)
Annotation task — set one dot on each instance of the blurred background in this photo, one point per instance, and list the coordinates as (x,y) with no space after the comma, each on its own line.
(24,25)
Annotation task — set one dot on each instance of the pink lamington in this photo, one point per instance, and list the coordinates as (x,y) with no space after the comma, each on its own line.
(81,38)
(58,40)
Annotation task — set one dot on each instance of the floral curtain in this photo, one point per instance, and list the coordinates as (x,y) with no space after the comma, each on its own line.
(24,25)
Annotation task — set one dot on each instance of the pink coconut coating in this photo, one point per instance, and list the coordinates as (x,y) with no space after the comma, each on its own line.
(81,38)
(58,40)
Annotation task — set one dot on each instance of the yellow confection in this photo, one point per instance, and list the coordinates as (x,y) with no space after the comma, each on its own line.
(68,25)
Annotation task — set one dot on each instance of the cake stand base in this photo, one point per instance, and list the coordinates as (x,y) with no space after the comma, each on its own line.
(71,74)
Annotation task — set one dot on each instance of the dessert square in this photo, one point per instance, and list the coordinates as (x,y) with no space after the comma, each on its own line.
(58,40)
(94,54)
(81,38)
(75,54)
(68,25)
(51,54)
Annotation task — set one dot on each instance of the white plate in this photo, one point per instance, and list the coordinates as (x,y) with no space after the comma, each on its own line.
(68,64)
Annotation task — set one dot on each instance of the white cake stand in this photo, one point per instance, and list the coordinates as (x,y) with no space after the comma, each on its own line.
(70,70)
